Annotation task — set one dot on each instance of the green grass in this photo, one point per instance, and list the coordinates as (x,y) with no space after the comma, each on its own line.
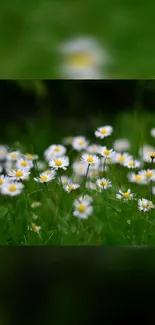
(112,222)
(30,33)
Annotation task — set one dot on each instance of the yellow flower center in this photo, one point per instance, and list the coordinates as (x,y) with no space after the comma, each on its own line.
(103,183)
(80,169)
(56,149)
(30,156)
(82,208)
(35,228)
(14,155)
(1,181)
(131,163)
(103,131)
(138,178)
(44,178)
(83,59)
(58,162)
(12,188)
(121,158)
(148,174)
(24,163)
(90,159)
(70,187)
(144,205)
(149,204)
(19,173)
(126,195)
(152,155)
(106,152)
(80,143)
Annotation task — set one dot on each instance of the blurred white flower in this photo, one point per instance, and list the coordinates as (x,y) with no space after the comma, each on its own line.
(3,152)
(121,145)
(103,131)
(12,188)
(79,143)
(153,132)
(83,57)
(146,152)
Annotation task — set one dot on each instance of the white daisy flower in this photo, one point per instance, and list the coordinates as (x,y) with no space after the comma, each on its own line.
(145,205)
(121,145)
(136,178)
(30,156)
(35,228)
(50,172)
(91,186)
(103,131)
(93,149)
(109,153)
(19,174)
(44,178)
(65,180)
(103,183)
(122,158)
(80,168)
(82,208)
(126,196)
(35,204)
(24,163)
(3,152)
(82,57)
(152,132)
(147,153)
(71,187)
(54,151)
(148,174)
(132,163)
(90,159)
(61,162)
(3,180)
(13,156)
(79,143)
(41,165)
(12,188)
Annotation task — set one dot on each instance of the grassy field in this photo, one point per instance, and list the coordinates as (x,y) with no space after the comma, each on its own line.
(112,221)
(31,33)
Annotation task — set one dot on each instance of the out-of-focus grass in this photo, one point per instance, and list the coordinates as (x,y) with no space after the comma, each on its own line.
(31,31)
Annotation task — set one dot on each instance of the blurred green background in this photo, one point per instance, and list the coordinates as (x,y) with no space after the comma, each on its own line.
(31,31)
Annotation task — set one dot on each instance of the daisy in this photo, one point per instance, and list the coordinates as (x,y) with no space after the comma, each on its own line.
(122,158)
(93,149)
(65,180)
(35,228)
(31,156)
(24,163)
(148,174)
(132,163)
(82,208)
(3,180)
(103,183)
(90,159)
(53,151)
(87,198)
(82,57)
(50,172)
(13,156)
(103,131)
(121,145)
(61,162)
(71,187)
(3,152)
(35,204)
(136,178)
(44,178)
(108,153)
(12,188)
(145,205)
(19,174)
(80,168)
(147,153)
(79,143)
(152,132)
(126,196)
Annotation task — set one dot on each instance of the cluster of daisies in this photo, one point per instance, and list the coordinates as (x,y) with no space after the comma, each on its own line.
(87,170)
